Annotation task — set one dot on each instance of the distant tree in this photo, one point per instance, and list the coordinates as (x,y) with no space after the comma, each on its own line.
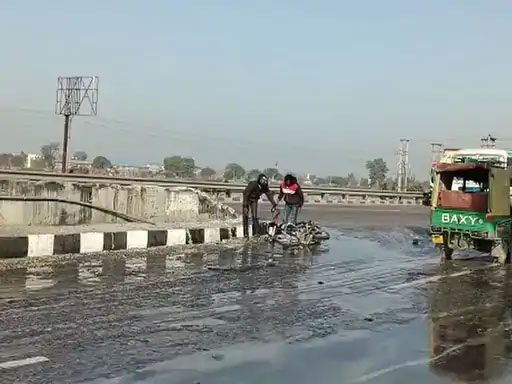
(272,173)
(253,174)
(50,153)
(5,160)
(377,170)
(234,171)
(339,181)
(38,164)
(80,156)
(320,181)
(19,161)
(390,184)
(101,162)
(351,180)
(417,186)
(178,166)
(207,173)
(364,182)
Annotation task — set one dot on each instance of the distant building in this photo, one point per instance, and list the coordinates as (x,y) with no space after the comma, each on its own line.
(307,180)
(31,158)
(197,171)
(155,168)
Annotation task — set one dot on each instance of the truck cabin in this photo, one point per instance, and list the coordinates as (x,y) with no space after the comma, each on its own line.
(472,187)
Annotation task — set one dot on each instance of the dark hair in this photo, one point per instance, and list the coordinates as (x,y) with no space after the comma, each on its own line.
(290,178)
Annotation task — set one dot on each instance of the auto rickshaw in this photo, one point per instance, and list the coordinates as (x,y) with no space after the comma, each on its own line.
(470,209)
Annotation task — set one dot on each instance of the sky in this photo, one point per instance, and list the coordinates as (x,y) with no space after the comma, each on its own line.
(316,86)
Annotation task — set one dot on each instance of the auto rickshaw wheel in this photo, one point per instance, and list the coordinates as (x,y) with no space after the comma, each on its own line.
(501,253)
(446,253)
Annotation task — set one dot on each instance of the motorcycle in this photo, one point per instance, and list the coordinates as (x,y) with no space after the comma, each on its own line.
(304,233)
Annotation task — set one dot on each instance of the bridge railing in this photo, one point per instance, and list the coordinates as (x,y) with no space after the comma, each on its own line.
(201,184)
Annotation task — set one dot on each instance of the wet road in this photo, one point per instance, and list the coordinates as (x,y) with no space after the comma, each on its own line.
(371,309)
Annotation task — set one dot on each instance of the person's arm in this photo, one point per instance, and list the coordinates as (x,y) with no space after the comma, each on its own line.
(301,195)
(270,197)
(281,194)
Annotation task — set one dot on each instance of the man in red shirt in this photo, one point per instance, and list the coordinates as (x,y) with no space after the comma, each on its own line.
(293,197)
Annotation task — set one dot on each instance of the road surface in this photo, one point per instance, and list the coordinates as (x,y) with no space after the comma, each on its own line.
(373,308)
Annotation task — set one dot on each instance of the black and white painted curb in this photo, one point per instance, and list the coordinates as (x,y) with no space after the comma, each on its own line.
(87,242)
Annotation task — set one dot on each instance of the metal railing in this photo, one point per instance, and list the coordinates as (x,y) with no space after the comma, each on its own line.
(200,184)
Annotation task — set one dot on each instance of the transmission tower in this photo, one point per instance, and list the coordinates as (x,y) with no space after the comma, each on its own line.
(76,96)
(403,165)
(488,141)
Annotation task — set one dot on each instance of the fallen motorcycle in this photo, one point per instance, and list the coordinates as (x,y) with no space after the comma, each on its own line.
(302,234)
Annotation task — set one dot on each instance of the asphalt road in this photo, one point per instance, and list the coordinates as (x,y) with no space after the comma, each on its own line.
(357,216)
(373,308)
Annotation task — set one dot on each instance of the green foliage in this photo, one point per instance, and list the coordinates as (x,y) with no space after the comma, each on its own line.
(19,161)
(38,164)
(377,170)
(253,174)
(351,180)
(80,156)
(177,166)
(338,181)
(320,181)
(207,173)
(390,184)
(50,153)
(234,171)
(8,160)
(418,186)
(5,160)
(272,173)
(101,162)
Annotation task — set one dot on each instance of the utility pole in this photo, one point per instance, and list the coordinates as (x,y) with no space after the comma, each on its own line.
(65,143)
(488,141)
(76,96)
(437,150)
(403,165)
(406,164)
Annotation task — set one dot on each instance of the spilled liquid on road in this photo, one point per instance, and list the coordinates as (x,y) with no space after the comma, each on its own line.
(372,309)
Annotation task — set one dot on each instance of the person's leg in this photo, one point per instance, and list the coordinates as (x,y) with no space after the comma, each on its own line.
(287,211)
(245,220)
(255,223)
(294,213)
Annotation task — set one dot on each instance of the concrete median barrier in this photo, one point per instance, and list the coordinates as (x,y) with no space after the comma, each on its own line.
(74,241)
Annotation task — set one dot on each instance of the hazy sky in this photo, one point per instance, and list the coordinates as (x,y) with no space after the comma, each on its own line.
(318,86)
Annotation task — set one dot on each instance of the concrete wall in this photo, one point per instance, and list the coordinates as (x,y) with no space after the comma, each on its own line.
(153,203)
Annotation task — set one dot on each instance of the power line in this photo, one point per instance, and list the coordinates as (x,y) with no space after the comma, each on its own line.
(156,131)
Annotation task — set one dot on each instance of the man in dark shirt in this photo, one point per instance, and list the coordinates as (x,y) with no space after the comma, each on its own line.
(252,194)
